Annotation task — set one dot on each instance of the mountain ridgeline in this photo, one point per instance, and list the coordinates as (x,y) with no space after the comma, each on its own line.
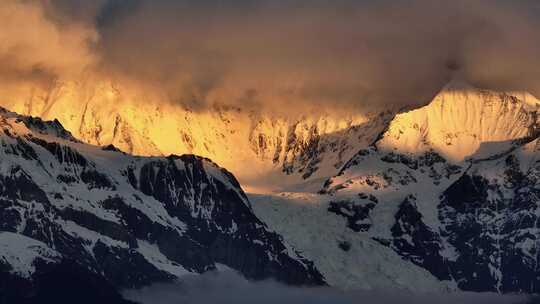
(70,209)
(446,195)
(282,150)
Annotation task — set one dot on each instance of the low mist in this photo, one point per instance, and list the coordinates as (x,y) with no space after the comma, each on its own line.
(229,287)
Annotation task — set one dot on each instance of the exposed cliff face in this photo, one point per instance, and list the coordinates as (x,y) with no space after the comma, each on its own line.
(129,220)
(281,151)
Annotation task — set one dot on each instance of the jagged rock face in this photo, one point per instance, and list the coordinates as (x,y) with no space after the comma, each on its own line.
(130,220)
(415,241)
(280,149)
(454,190)
(492,215)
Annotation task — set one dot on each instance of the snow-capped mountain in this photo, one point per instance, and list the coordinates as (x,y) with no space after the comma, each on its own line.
(282,150)
(443,196)
(452,188)
(122,221)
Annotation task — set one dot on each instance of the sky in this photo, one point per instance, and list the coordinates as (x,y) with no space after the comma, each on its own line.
(271,53)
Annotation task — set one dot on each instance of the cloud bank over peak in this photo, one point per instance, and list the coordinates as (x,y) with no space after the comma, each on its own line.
(262,53)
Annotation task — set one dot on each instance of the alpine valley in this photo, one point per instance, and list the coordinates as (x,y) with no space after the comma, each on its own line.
(110,194)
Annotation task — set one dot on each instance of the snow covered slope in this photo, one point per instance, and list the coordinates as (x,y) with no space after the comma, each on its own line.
(21,254)
(347,259)
(459,120)
(131,220)
(282,150)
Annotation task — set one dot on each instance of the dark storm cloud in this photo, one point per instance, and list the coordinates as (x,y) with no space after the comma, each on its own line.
(282,52)
(229,288)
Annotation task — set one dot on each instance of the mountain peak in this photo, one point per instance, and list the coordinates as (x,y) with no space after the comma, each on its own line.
(458,83)
(460,119)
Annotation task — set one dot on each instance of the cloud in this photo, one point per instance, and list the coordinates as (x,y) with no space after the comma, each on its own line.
(32,45)
(323,52)
(276,53)
(228,287)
